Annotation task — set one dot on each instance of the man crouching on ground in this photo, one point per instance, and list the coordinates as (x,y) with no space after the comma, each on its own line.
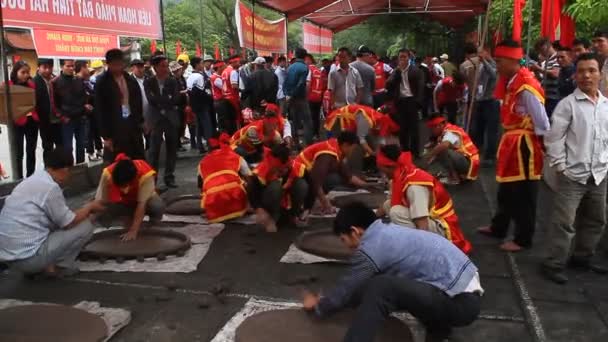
(38,232)
(129,187)
(396,269)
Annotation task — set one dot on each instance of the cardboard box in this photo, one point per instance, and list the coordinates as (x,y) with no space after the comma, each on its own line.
(23,100)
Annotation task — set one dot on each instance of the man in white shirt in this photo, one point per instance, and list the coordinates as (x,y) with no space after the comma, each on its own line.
(600,44)
(281,73)
(345,82)
(577,155)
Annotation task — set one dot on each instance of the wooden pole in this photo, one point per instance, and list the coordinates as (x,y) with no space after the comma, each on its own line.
(8,102)
(529,38)
(473,91)
(202,27)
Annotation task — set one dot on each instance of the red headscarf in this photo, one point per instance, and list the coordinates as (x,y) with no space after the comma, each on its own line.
(222,141)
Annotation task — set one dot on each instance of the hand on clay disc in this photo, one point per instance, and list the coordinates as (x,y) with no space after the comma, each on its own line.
(129,236)
(310,300)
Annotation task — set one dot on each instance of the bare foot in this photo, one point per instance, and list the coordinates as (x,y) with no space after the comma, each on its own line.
(271,227)
(511,246)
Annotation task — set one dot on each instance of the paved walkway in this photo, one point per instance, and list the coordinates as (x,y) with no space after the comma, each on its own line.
(518,305)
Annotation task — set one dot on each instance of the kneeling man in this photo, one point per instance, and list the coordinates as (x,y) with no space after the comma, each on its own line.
(129,187)
(38,232)
(417,198)
(395,269)
(451,150)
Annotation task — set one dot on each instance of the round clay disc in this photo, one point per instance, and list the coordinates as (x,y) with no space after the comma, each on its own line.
(371,200)
(297,325)
(186,207)
(323,243)
(149,243)
(53,323)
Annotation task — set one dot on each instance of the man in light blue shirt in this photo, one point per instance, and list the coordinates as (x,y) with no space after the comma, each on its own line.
(394,268)
(37,229)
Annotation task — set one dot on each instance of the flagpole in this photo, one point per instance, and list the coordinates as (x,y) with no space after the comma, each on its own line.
(253,27)
(162,24)
(202,25)
(529,38)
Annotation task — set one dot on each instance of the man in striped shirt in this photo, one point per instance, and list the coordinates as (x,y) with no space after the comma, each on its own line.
(37,229)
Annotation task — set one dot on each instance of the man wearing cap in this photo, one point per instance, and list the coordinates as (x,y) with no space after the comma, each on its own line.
(417,199)
(177,71)
(201,101)
(451,149)
(118,106)
(98,69)
(447,66)
(263,86)
(368,75)
(382,71)
(520,155)
(163,95)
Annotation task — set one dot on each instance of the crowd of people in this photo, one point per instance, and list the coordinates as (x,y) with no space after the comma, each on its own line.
(276,137)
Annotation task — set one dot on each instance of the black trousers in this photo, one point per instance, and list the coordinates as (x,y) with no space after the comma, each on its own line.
(29,133)
(379,100)
(268,197)
(484,127)
(50,133)
(517,202)
(315,113)
(226,115)
(93,138)
(409,135)
(384,294)
(451,108)
(169,130)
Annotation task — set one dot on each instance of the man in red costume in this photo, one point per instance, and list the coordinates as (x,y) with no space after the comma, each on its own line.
(417,199)
(452,150)
(448,93)
(382,71)
(250,140)
(221,174)
(323,161)
(520,156)
(372,128)
(129,187)
(268,191)
(230,111)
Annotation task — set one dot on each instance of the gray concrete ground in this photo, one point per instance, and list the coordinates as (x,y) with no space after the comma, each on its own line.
(518,305)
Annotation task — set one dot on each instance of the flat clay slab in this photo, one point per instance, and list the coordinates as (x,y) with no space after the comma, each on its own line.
(296,325)
(371,200)
(185,207)
(149,243)
(51,323)
(323,243)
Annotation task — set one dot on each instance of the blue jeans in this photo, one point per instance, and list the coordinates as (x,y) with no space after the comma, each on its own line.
(75,129)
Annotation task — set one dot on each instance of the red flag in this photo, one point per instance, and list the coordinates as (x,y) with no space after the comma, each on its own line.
(178,48)
(231,52)
(518,6)
(567,29)
(153,46)
(199,53)
(549,18)
(218,56)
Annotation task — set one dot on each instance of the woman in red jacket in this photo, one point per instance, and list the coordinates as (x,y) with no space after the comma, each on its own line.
(26,127)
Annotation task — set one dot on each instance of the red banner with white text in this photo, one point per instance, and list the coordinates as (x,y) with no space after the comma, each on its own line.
(131,18)
(317,40)
(270,36)
(63,44)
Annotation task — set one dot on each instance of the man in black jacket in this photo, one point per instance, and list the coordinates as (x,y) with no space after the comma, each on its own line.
(119,110)
(406,87)
(50,125)
(70,100)
(164,98)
